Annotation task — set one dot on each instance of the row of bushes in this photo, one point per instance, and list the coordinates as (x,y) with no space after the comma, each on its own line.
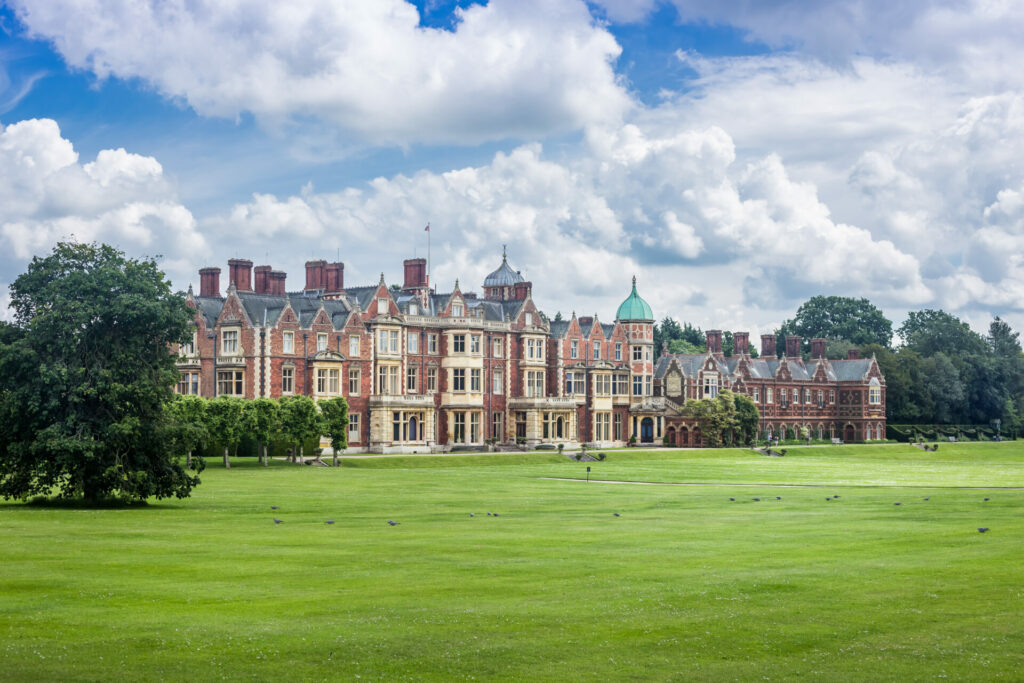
(919,433)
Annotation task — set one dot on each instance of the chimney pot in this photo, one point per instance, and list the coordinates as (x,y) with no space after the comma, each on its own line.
(209,282)
(768,346)
(240,274)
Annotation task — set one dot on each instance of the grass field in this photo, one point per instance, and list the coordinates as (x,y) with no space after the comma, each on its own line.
(684,585)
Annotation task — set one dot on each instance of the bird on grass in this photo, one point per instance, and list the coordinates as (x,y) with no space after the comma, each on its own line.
(393,523)
(277,521)
(616,514)
(835,495)
(828,497)
(982,529)
(758,500)
(273,507)
(733,499)
(330,521)
(488,514)
(778,497)
(495,514)
(927,497)
(986,500)
(895,503)
(472,515)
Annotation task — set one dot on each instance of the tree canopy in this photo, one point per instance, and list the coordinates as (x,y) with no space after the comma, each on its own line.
(838,317)
(85,373)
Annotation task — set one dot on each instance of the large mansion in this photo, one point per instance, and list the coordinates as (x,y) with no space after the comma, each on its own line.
(423,370)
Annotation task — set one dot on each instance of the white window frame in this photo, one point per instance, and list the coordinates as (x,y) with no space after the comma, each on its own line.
(287,342)
(353,345)
(230,348)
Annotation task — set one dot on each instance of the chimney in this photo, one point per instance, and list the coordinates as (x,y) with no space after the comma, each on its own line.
(522,290)
(209,282)
(817,348)
(853,354)
(768,346)
(275,282)
(793,347)
(740,343)
(334,274)
(240,274)
(315,274)
(415,273)
(714,341)
(261,283)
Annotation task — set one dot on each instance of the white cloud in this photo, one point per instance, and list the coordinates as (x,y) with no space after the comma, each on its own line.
(512,68)
(47,196)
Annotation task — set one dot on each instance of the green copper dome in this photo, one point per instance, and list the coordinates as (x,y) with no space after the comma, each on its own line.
(635,308)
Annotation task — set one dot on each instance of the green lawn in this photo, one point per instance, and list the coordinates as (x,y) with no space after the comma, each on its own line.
(684,585)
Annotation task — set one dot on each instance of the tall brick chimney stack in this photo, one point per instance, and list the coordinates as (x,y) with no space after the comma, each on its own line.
(415,273)
(316,274)
(740,343)
(240,274)
(334,277)
(818,348)
(768,346)
(209,282)
(714,341)
(261,279)
(853,354)
(522,290)
(793,347)
(275,282)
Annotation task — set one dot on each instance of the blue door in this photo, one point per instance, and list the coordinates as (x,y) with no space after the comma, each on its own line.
(647,430)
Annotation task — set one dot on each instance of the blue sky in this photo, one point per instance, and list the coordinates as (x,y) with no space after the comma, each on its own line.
(739,156)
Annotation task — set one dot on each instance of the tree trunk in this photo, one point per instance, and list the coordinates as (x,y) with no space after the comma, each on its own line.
(188,460)
(266,456)
(227,463)
(302,454)
(335,457)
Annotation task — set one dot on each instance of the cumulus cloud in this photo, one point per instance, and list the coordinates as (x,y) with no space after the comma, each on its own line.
(512,68)
(47,195)
(678,210)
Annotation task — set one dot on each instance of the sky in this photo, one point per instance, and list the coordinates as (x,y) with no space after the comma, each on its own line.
(738,157)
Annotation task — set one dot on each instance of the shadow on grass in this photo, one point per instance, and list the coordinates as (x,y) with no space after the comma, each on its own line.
(54,503)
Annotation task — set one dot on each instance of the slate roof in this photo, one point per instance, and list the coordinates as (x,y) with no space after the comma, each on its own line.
(504,276)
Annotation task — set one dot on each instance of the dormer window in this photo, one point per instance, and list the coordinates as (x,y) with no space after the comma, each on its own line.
(321,342)
(229,342)
(528,318)
(382,306)
(597,350)
(574,349)
(414,309)
(710,385)
(457,310)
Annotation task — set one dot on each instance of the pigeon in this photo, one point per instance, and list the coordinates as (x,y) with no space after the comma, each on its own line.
(895,503)
(393,523)
(835,495)
(488,514)
(732,499)
(986,500)
(495,514)
(330,521)
(277,521)
(758,500)
(273,507)
(828,498)
(616,514)
(982,529)
(927,497)
(778,497)
(472,515)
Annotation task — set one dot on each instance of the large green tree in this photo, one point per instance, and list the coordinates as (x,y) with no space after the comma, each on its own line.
(838,317)
(299,422)
(85,372)
(929,332)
